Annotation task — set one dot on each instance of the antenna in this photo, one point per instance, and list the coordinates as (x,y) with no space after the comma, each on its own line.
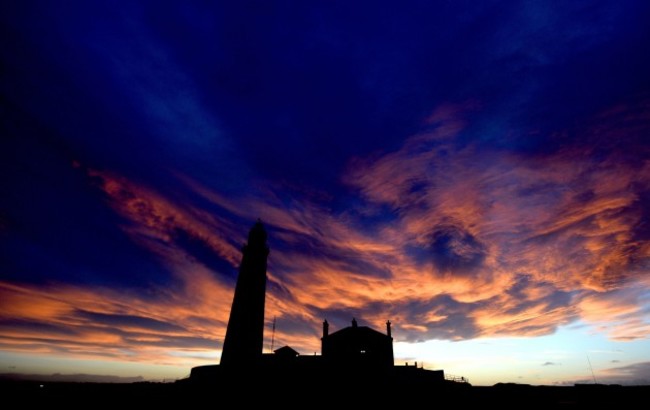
(592,370)
(273,335)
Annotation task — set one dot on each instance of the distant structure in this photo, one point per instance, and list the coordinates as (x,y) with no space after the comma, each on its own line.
(245,333)
(358,346)
(348,355)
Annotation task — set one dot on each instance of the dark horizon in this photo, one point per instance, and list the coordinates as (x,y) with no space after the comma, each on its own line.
(354,395)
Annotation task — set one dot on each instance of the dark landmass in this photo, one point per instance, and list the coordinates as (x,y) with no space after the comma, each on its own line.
(70,378)
(307,395)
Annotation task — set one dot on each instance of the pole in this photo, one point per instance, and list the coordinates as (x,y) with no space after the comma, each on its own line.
(592,370)
(273,335)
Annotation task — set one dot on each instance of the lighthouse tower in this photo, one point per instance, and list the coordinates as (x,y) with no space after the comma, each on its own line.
(244,336)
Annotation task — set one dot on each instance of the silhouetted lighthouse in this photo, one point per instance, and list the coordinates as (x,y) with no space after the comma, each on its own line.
(244,336)
(348,355)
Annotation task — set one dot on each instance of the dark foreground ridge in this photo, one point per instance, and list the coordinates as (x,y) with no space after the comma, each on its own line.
(309,394)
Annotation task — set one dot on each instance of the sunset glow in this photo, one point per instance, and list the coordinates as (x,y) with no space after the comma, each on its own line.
(489,196)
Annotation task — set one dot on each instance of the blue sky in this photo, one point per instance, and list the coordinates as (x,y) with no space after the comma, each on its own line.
(478,173)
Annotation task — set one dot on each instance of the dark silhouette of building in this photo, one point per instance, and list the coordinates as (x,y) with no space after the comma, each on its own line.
(245,333)
(348,355)
(357,346)
(285,352)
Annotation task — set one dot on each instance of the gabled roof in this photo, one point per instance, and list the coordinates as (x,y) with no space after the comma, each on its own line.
(286,351)
(356,331)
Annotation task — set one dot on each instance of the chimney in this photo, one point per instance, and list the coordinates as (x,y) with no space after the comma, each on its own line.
(354,322)
(326,328)
(388,328)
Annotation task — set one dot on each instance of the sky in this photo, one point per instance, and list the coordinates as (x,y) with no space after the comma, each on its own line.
(476,172)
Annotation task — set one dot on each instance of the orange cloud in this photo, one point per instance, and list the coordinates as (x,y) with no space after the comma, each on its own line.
(463,243)
(566,221)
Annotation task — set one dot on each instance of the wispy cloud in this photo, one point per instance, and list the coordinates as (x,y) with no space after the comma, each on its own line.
(637,374)
(536,233)
(448,239)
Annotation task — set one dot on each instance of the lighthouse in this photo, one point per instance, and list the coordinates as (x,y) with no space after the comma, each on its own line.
(245,332)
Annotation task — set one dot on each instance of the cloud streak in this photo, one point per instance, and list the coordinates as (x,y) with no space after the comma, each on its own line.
(472,246)
(565,221)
